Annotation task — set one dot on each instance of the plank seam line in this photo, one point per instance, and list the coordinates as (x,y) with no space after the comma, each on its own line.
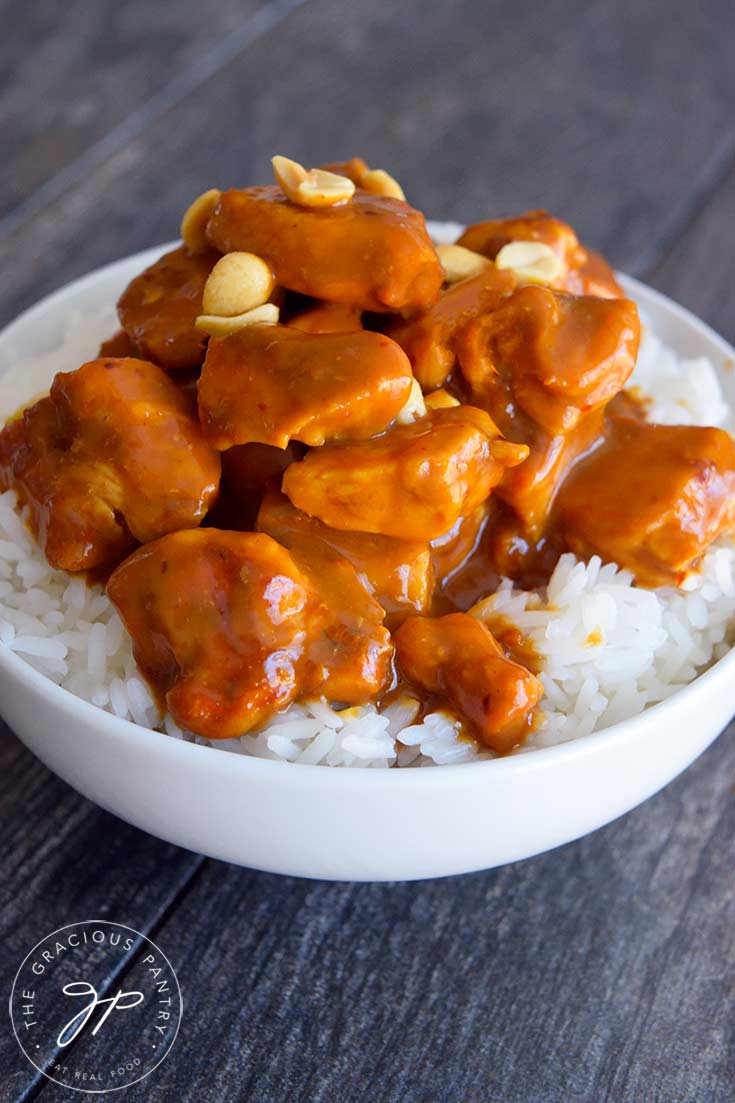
(265,19)
(39,1082)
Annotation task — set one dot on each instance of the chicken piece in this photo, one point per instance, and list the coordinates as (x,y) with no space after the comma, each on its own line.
(112,457)
(356,169)
(451,550)
(372,252)
(118,345)
(594,276)
(544,365)
(376,181)
(73,510)
(631,402)
(229,628)
(530,488)
(651,498)
(413,483)
(273,384)
(583,272)
(526,553)
(398,572)
(159,307)
(351,657)
(327,318)
(488,238)
(247,471)
(550,355)
(429,338)
(458,658)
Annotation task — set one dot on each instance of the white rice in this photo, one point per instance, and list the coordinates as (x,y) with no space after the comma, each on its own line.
(609,648)
(679,392)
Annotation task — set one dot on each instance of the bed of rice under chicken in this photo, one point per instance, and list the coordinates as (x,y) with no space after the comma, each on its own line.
(609,648)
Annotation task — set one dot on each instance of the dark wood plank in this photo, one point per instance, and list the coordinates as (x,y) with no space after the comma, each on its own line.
(568,105)
(698,269)
(599,972)
(602,971)
(77,71)
(63,860)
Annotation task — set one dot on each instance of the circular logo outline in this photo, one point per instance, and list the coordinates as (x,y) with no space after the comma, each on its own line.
(118,1087)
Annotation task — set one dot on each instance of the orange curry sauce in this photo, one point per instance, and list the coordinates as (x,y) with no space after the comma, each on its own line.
(312,505)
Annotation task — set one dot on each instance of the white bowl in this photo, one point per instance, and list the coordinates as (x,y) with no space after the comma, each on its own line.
(353,824)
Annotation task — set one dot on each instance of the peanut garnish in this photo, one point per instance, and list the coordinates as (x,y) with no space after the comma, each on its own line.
(194,222)
(508,452)
(460,263)
(237,283)
(315,188)
(531,261)
(380,182)
(415,406)
(440,400)
(218,326)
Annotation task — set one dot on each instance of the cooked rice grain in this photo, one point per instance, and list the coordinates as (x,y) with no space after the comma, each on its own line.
(609,648)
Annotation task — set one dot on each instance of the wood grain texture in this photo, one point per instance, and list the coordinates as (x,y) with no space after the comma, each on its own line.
(697,270)
(600,973)
(564,104)
(63,860)
(95,69)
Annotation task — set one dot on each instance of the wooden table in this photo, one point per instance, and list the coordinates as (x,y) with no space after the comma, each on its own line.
(598,972)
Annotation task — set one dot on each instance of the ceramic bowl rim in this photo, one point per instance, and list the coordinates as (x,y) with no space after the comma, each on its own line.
(517,764)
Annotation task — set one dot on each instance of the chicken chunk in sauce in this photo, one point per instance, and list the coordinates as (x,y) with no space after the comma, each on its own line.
(247,472)
(429,337)
(326,318)
(119,345)
(383,515)
(229,628)
(414,482)
(550,355)
(399,573)
(273,384)
(530,489)
(458,660)
(581,271)
(358,170)
(544,365)
(159,308)
(372,252)
(451,550)
(651,498)
(114,456)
